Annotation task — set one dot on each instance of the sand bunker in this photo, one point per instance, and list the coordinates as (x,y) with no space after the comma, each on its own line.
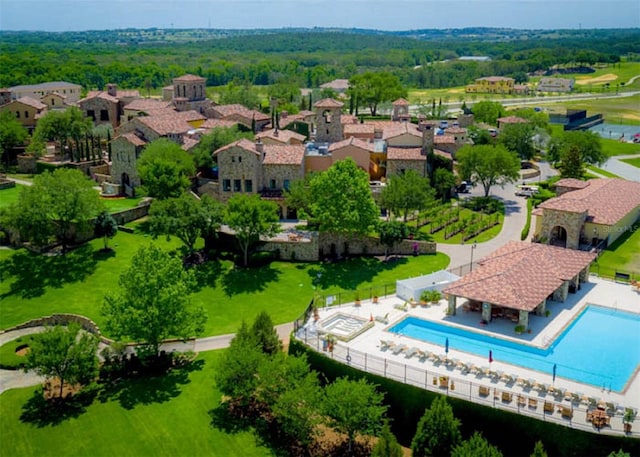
(600,79)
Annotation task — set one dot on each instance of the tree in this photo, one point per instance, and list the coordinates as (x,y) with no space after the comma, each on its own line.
(185,217)
(406,193)
(12,133)
(298,196)
(443,182)
(476,446)
(518,138)
(250,218)
(105,226)
(572,165)
(265,334)
(438,430)
(242,93)
(392,232)
(59,204)
(62,126)
(165,169)
(586,143)
(387,445)
(370,89)
(236,374)
(153,301)
(488,165)
(538,450)
(66,353)
(353,407)
(488,112)
(211,142)
(341,200)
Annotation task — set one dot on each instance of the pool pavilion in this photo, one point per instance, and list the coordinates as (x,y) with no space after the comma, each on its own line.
(518,279)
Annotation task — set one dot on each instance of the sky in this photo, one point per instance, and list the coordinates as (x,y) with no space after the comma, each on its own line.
(75,15)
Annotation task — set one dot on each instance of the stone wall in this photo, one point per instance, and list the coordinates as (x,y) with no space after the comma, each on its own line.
(131,214)
(63,319)
(27,164)
(571,222)
(395,167)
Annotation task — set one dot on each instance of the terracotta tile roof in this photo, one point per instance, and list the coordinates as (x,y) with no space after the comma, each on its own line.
(358,128)
(188,143)
(283,154)
(512,120)
(348,119)
(455,130)
(189,77)
(283,136)
(213,123)
(400,102)
(166,125)
(521,275)
(245,144)
(188,116)
(237,109)
(573,183)
(47,85)
(397,129)
(405,154)
(606,201)
(132,138)
(495,78)
(302,116)
(99,94)
(124,93)
(353,141)
(37,104)
(147,104)
(444,139)
(441,153)
(328,103)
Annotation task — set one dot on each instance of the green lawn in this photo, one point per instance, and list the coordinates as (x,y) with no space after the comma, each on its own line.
(34,285)
(166,416)
(616,148)
(9,196)
(634,162)
(622,255)
(120,203)
(601,171)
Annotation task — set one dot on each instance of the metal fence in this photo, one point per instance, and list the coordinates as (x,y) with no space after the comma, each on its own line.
(450,381)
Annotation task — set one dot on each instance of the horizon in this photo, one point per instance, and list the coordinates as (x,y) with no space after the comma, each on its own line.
(379,15)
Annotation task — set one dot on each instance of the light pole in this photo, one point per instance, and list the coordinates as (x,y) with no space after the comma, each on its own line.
(473,247)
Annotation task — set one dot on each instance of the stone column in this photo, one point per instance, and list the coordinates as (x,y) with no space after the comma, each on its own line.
(540,309)
(486,311)
(451,309)
(523,319)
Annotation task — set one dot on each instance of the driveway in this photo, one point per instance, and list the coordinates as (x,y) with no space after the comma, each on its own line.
(624,170)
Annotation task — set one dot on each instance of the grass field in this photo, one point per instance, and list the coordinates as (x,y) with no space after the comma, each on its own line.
(601,171)
(634,162)
(165,416)
(34,286)
(622,110)
(9,196)
(622,255)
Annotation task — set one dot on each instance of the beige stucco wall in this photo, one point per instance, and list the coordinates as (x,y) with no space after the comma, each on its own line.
(18,110)
(359,155)
(317,163)
(623,225)
(405,141)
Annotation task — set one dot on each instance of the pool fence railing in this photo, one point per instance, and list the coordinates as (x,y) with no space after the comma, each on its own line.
(491,392)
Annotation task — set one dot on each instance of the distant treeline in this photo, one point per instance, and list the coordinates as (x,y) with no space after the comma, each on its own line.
(308,58)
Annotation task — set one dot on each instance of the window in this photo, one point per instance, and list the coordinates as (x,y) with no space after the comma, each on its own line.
(237,185)
(104,115)
(226,185)
(239,159)
(26,114)
(53,101)
(17,114)
(285,184)
(272,184)
(248,186)
(92,114)
(233,158)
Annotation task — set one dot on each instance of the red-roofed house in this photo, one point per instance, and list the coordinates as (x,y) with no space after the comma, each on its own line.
(27,110)
(584,213)
(106,107)
(511,120)
(519,278)
(240,114)
(276,136)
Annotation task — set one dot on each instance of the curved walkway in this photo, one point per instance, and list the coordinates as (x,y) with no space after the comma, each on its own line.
(616,166)
(13,379)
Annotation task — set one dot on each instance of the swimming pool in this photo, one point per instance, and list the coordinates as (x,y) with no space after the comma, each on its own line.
(600,346)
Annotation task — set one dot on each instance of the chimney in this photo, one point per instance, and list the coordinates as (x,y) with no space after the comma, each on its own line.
(112,89)
(377,134)
(259,146)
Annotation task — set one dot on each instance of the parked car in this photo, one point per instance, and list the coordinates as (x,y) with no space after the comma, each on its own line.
(526,191)
(463,188)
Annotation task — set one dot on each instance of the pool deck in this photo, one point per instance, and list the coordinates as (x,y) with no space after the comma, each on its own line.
(366,352)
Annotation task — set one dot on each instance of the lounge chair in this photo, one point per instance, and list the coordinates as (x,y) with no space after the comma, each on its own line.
(533,403)
(566,412)
(423,355)
(387,344)
(401,306)
(411,352)
(399,348)
(383,319)
(507,397)
(484,391)
(548,407)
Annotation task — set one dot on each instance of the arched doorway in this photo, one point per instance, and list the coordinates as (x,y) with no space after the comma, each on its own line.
(558,236)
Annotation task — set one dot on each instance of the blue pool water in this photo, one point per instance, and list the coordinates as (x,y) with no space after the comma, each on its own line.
(600,347)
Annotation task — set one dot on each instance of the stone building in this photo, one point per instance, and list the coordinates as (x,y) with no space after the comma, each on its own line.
(107,107)
(587,212)
(250,119)
(71,92)
(190,94)
(400,111)
(328,123)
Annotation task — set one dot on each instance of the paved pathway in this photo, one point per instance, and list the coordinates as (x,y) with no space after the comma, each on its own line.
(624,170)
